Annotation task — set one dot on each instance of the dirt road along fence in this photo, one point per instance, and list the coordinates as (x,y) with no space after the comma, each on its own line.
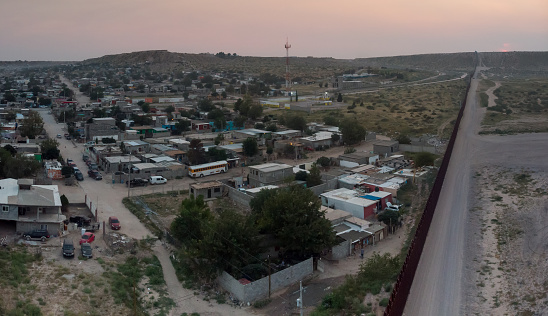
(398,298)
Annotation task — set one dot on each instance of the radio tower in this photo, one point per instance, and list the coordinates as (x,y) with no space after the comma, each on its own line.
(287,84)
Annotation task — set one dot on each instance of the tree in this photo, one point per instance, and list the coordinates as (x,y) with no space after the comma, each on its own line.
(239,121)
(335,138)
(272,127)
(389,217)
(403,139)
(293,215)
(301,176)
(145,107)
(32,125)
(181,126)
(352,131)
(218,117)
(331,120)
(244,105)
(67,171)
(424,159)
(294,121)
(315,177)
(20,167)
(206,105)
(250,147)
(255,111)
(64,203)
(196,152)
(217,154)
(50,149)
(324,161)
(219,138)
(170,109)
(11,150)
(190,225)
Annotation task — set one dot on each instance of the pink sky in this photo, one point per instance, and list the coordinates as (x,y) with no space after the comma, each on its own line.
(77,30)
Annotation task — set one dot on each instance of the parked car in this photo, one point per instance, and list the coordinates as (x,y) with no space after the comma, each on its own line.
(137,182)
(114,223)
(95,174)
(93,166)
(59,136)
(41,234)
(79,176)
(86,250)
(68,137)
(87,237)
(68,248)
(392,207)
(157,180)
(89,144)
(80,220)
(88,162)
(85,157)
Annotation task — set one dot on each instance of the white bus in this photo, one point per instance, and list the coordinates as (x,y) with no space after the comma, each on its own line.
(208,169)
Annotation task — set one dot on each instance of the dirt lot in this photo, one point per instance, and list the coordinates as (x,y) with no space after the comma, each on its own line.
(509,266)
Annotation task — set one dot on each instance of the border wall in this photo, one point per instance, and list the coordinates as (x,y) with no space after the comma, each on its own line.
(398,298)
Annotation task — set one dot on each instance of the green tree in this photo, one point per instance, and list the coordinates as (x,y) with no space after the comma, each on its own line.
(294,121)
(301,176)
(67,171)
(315,177)
(205,105)
(21,167)
(181,126)
(389,217)
(331,120)
(145,107)
(217,154)
(424,159)
(239,121)
(255,111)
(219,138)
(196,152)
(352,131)
(335,138)
(324,161)
(190,225)
(64,203)
(50,149)
(218,117)
(170,109)
(250,147)
(272,127)
(32,125)
(403,139)
(293,215)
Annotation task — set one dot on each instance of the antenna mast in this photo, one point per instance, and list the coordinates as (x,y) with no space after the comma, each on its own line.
(287,83)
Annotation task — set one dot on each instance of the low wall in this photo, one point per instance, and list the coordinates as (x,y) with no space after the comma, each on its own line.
(341,250)
(259,289)
(238,196)
(417,148)
(326,186)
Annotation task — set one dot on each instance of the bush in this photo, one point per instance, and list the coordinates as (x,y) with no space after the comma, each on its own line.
(384,302)
(262,303)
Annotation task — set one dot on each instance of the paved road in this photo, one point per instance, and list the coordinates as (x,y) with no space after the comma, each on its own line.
(436,289)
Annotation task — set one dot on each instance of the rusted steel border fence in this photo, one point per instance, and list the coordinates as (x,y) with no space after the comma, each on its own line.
(399,295)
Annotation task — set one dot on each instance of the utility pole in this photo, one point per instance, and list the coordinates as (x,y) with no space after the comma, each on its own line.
(301,297)
(129,175)
(269,284)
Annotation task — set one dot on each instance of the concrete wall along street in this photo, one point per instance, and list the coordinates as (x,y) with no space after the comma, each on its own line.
(326,186)
(417,148)
(259,288)
(341,250)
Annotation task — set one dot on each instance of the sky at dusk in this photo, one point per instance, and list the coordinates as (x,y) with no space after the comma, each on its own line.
(76,30)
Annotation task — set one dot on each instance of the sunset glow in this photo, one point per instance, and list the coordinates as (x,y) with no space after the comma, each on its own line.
(74,30)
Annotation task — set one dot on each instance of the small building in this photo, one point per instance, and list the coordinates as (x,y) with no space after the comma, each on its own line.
(208,190)
(118,163)
(145,170)
(356,203)
(357,158)
(179,143)
(251,132)
(136,146)
(269,174)
(385,147)
(318,140)
(254,191)
(287,134)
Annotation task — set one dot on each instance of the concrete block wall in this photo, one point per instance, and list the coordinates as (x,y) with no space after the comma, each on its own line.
(326,186)
(238,196)
(341,250)
(417,148)
(259,289)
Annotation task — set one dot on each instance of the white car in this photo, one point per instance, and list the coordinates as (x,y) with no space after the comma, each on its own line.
(59,136)
(392,207)
(157,180)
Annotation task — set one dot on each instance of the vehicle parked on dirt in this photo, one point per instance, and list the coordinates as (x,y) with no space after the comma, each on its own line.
(68,248)
(93,166)
(95,175)
(89,144)
(87,237)
(137,182)
(85,157)
(86,250)
(114,223)
(59,136)
(40,234)
(79,176)
(80,220)
(157,180)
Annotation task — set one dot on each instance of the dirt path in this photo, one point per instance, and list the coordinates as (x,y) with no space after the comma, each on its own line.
(492,97)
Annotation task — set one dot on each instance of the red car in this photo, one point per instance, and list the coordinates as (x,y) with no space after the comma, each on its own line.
(87,238)
(114,223)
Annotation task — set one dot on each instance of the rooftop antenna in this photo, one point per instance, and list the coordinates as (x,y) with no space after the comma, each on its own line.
(287,84)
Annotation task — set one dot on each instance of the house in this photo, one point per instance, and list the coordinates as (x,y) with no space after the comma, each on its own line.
(356,203)
(31,206)
(385,147)
(208,190)
(145,170)
(357,158)
(151,132)
(287,134)
(259,134)
(118,163)
(269,174)
(101,128)
(179,143)
(136,146)
(318,140)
